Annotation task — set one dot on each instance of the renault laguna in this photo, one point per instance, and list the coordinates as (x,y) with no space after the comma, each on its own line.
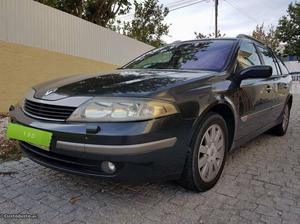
(173,113)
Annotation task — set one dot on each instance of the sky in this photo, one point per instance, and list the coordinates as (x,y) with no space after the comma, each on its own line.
(235,17)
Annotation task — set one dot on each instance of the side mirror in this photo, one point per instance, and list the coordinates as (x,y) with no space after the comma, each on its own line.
(256,72)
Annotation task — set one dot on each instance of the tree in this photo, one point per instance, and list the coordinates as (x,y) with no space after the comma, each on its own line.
(210,35)
(288,30)
(101,12)
(200,35)
(268,37)
(147,25)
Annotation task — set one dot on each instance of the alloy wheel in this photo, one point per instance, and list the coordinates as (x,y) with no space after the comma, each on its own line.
(286,117)
(211,152)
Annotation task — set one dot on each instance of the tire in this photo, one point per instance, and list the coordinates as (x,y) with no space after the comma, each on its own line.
(281,129)
(211,154)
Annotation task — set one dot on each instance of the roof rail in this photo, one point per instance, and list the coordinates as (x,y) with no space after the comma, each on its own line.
(244,36)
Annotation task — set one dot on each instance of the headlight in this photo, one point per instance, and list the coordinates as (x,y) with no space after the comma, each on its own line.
(122,109)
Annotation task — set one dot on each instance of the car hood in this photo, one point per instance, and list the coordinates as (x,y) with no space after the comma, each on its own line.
(117,83)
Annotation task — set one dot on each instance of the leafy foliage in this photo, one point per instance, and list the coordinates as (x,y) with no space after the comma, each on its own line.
(101,12)
(288,30)
(147,25)
(268,37)
(210,35)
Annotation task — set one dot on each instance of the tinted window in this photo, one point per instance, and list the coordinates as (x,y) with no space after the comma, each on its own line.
(268,59)
(283,68)
(200,55)
(247,56)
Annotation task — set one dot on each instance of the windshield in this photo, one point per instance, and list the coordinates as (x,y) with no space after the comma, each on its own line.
(200,55)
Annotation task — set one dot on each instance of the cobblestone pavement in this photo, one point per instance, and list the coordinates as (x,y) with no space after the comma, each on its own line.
(260,184)
(296,87)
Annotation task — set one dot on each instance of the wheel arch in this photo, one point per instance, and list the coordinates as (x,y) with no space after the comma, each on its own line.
(224,108)
(290,101)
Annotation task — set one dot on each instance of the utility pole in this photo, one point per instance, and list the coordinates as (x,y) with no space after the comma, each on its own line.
(216,18)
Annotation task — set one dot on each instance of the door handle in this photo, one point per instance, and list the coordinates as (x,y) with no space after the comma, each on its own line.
(269,88)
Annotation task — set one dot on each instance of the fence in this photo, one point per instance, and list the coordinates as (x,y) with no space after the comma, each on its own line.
(296,76)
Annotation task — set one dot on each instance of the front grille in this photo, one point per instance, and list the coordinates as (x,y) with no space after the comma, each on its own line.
(47,111)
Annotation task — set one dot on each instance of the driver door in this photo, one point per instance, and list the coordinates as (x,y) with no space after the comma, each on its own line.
(254,94)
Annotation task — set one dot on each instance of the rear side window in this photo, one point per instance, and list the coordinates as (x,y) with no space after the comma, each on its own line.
(268,59)
(247,56)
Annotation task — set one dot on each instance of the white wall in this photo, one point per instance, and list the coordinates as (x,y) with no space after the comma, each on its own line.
(293,66)
(31,23)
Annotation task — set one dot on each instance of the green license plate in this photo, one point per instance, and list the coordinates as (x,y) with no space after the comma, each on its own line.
(30,135)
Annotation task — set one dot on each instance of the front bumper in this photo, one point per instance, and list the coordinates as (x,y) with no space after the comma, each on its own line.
(118,150)
(143,150)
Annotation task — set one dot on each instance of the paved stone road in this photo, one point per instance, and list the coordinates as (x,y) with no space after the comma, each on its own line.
(260,184)
(296,87)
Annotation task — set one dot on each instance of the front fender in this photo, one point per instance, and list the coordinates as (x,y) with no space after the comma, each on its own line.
(216,102)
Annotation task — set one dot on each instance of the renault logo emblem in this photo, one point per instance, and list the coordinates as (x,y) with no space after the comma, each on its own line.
(50,91)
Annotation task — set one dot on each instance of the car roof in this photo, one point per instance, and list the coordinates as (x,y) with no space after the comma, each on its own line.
(240,37)
(204,39)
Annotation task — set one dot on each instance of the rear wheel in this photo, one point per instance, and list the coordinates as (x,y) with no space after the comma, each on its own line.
(281,129)
(206,160)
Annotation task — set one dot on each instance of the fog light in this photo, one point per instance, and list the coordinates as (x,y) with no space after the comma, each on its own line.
(108,167)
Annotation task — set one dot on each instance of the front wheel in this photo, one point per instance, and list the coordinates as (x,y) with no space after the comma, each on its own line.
(281,129)
(206,160)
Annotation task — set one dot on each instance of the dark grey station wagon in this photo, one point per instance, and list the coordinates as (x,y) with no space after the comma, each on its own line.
(172,113)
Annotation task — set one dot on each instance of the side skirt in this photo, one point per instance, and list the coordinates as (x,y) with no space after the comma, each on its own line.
(238,143)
